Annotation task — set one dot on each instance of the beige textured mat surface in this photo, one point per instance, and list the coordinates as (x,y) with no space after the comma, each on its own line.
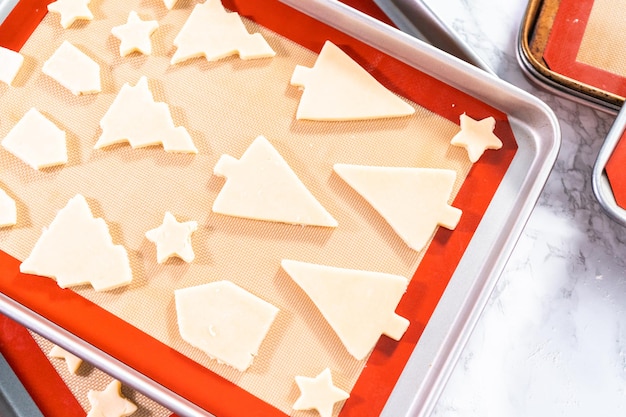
(604,42)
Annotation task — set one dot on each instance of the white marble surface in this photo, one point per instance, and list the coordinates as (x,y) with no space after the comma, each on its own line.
(552,340)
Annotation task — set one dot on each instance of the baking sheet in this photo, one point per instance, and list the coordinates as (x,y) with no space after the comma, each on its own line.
(533,41)
(467,234)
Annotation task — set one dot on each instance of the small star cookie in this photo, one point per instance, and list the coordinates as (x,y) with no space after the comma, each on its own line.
(72,361)
(110,402)
(173,239)
(476,136)
(71,11)
(135,34)
(319,393)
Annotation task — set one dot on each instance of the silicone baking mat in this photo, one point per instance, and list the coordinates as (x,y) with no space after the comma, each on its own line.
(225,105)
(586,43)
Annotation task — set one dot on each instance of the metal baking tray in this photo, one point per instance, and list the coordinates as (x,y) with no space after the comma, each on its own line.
(537,135)
(532,41)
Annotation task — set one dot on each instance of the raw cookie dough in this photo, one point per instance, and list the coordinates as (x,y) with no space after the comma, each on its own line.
(77,249)
(414,201)
(11,63)
(8,210)
(71,10)
(37,141)
(319,393)
(173,239)
(110,402)
(225,321)
(73,69)
(212,32)
(262,186)
(476,136)
(72,361)
(358,305)
(135,117)
(337,89)
(170,4)
(135,34)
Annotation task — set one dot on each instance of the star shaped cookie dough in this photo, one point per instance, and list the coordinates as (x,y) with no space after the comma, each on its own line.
(71,11)
(135,34)
(72,361)
(476,136)
(110,402)
(173,239)
(318,393)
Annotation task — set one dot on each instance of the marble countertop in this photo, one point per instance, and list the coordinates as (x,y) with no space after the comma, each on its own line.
(552,339)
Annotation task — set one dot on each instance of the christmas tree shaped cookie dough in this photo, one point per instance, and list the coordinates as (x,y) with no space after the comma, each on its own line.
(37,141)
(337,88)
(71,11)
(77,249)
(173,239)
(8,210)
(414,201)
(110,402)
(476,136)
(212,32)
(11,63)
(73,69)
(135,34)
(136,118)
(225,321)
(262,186)
(358,305)
(319,393)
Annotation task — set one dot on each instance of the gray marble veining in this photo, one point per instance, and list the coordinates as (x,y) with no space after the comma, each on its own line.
(552,340)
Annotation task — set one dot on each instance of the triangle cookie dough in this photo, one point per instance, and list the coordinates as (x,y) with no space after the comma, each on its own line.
(337,89)
(319,393)
(11,63)
(37,141)
(225,321)
(71,11)
(212,32)
(73,69)
(8,210)
(135,34)
(414,201)
(136,118)
(77,249)
(358,305)
(262,186)
(476,136)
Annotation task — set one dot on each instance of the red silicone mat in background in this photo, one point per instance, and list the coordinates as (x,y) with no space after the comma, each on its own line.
(373,388)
